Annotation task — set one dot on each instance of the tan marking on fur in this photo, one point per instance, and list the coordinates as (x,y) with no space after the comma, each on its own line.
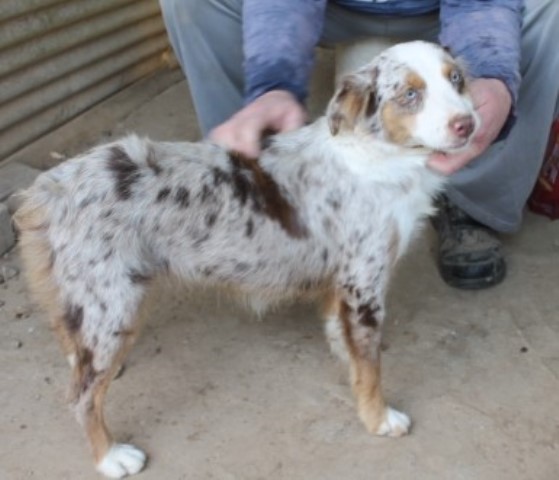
(365,381)
(414,80)
(398,125)
(352,105)
(98,435)
(331,305)
(365,377)
(36,254)
(399,116)
(348,105)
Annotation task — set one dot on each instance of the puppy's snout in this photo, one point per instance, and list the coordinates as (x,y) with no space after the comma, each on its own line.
(462,126)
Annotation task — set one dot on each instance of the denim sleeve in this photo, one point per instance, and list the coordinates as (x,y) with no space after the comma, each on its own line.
(486,35)
(279,39)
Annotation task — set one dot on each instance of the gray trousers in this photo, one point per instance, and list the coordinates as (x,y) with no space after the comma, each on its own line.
(206,36)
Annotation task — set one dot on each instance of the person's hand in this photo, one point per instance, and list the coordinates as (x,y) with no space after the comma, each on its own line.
(277,111)
(492,101)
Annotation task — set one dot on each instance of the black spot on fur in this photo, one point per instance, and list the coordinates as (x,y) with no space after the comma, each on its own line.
(138,277)
(107,213)
(241,267)
(205,193)
(52,259)
(122,333)
(73,318)
(307,285)
(241,183)
(87,372)
(103,306)
(163,194)
(126,172)
(108,254)
(87,201)
(367,315)
(164,265)
(334,202)
(207,271)
(152,162)
(219,176)
(210,219)
(182,197)
(325,255)
(200,240)
(249,228)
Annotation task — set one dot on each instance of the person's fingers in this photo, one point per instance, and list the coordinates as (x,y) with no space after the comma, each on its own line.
(295,118)
(241,137)
(248,140)
(276,111)
(447,164)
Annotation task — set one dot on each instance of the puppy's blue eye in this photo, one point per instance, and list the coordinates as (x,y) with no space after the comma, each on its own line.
(411,94)
(456,77)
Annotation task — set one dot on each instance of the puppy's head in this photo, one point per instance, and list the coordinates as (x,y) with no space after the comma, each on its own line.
(414,95)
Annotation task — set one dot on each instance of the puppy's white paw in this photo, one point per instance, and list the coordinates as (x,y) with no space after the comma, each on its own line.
(122,460)
(395,424)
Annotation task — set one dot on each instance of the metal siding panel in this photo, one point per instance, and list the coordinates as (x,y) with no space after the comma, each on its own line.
(59,58)
(41,73)
(34,127)
(89,30)
(15,8)
(79,80)
(28,26)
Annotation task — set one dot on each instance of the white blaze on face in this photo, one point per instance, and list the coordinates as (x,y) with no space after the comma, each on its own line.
(425,107)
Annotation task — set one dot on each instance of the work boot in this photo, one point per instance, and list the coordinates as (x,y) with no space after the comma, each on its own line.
(469,254)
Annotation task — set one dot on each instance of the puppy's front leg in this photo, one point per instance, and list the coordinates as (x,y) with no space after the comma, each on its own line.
(360,315)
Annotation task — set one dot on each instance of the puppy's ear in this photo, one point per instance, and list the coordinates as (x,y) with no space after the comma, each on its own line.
(354,99)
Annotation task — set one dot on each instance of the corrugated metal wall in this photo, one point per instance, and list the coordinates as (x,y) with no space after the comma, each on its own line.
(60,57)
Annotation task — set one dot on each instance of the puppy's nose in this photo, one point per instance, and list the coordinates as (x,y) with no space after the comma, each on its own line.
(462,125)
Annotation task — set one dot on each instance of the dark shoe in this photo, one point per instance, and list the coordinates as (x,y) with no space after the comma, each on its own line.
(469,254)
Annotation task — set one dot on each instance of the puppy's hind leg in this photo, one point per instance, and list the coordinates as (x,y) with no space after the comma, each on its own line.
(96,325)
(103,338)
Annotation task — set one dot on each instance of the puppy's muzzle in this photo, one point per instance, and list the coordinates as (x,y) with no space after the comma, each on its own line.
(462,126)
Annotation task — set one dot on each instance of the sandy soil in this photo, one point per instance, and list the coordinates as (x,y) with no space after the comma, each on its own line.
(212,393)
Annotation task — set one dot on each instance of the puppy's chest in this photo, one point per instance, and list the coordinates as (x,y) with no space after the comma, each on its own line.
(350,210)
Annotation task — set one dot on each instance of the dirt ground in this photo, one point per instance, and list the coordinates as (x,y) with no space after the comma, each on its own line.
(210,392)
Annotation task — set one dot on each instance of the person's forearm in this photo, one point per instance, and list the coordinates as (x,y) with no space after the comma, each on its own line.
(279,39)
